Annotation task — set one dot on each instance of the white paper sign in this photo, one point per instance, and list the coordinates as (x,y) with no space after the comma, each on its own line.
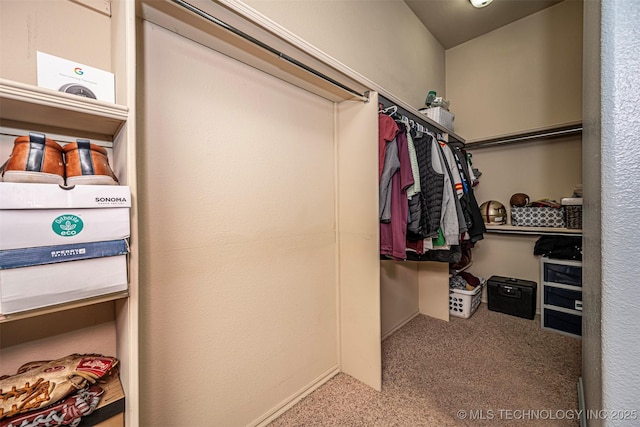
(72,77)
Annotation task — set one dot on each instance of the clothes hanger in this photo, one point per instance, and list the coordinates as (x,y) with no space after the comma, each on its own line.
(390,110)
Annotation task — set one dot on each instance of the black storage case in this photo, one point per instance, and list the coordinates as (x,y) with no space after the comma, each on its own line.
(516,297)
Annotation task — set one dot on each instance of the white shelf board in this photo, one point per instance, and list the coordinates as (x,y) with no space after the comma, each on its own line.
(536,231)
(62,307)
(25,103)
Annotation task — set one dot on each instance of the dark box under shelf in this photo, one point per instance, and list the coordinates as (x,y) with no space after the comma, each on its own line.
(516,297)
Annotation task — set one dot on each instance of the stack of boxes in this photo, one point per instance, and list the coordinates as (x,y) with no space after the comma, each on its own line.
(59,245)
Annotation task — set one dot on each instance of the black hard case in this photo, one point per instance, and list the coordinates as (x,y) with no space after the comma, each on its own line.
(516,297)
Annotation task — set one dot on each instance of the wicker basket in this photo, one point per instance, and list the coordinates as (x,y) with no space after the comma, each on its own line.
(574,216)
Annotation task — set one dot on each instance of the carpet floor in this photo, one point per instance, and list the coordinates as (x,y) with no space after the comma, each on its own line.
(490,369)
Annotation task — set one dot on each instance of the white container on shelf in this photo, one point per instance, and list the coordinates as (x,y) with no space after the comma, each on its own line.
(34,215)
(38,286)
(32,278)
(440,115)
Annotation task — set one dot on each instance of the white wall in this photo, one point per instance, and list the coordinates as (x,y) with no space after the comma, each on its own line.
(381,39)
(385,42)
(238,252)
(27,27)
(523,76)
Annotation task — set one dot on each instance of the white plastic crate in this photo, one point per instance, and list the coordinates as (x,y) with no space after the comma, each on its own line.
(464,303)
(440,115)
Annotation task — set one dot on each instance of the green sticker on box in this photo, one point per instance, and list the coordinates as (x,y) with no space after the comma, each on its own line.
(67,225)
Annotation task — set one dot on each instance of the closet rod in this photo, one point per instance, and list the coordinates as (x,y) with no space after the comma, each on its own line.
(363,97)
(560,131)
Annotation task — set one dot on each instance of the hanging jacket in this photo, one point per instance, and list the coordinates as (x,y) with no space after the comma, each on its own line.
(431,185)
(393,235)
(476,227)
(451,216)
(449,162)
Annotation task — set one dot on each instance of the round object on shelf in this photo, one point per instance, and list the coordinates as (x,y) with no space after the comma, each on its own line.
(519,200)
(493,212)
(76,89)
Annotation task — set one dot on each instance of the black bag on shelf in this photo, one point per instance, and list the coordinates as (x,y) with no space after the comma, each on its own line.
(559,247)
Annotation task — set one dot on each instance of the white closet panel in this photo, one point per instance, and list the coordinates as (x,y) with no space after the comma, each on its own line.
(239,251)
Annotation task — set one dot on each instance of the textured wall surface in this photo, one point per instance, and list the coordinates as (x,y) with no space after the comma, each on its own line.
(620,215)
(239,249)
(381,39)
(525,75)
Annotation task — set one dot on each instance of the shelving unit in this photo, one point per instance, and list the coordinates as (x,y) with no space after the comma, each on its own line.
(106,324)
(545,134)
(561,305)
(543,162)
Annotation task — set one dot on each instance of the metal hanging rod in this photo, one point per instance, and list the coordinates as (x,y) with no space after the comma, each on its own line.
(363,97)
(537,135)
(418,118)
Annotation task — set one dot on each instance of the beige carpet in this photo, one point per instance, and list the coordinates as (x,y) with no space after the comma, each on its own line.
(491,369)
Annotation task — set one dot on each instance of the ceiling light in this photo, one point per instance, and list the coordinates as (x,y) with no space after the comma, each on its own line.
(480,3)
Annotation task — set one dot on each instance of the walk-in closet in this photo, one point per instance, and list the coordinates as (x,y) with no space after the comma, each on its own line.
(308,213)
(247,135)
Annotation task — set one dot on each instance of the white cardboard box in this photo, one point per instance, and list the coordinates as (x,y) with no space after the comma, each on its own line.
(29,288)
(47,215)
(72,77)
(440,115)
(16,195)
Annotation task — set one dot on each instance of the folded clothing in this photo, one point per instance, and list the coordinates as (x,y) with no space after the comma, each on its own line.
(465,281)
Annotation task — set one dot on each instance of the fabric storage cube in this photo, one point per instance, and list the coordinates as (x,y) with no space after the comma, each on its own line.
(574,217)
(529,216)
(573,212)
